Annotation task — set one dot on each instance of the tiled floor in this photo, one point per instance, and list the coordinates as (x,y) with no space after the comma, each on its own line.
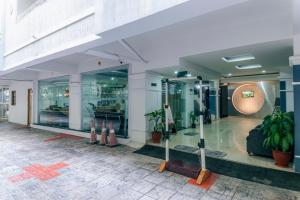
(69,168)
(226,135)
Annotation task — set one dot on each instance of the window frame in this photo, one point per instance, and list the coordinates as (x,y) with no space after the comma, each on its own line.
(13,101)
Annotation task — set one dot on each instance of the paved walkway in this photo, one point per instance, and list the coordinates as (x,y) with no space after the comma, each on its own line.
(36,164)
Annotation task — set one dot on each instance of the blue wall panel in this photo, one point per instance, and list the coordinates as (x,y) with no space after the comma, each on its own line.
(282,96)
(296,78)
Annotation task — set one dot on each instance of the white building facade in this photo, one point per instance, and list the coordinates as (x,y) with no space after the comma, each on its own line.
(58,57)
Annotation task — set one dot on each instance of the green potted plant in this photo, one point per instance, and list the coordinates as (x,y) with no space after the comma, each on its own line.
(279,131)
(193,119)
(156,117)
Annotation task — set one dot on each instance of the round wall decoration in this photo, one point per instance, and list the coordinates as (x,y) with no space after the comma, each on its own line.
(248,99)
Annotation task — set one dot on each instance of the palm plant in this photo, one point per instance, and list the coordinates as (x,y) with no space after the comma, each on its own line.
(279,131)
(156,116)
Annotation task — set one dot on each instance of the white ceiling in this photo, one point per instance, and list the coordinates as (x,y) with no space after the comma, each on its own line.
(75,59)
(272,56)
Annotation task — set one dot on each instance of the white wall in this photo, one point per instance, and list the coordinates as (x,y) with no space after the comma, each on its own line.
(49,26)
(1,33)
(18,113)
(114,13)
(143,98)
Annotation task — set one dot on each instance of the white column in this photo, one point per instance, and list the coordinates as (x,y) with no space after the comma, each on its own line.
(136,108)
(144,96)
(75,102)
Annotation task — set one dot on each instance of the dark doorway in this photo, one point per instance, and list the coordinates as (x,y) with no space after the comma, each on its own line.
(223,101)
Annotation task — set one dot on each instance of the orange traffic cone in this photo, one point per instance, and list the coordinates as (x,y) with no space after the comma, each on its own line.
(112,136)
(93,138)
(103,134)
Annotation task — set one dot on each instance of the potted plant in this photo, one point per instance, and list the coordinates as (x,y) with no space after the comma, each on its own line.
(193,119)
(279,131)
(156,117)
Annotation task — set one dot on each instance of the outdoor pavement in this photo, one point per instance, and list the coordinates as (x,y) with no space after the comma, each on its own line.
(36,164)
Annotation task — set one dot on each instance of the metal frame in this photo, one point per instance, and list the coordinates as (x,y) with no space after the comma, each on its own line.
(201,143)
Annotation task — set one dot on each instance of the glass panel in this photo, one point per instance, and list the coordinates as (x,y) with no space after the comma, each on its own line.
(54,102)
(183,99)
(105,98)
(4,94)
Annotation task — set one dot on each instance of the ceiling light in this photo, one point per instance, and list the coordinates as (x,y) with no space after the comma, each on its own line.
(176,72)
(112,78)
(263,71)
(248,66)
(238,58)
(230,74)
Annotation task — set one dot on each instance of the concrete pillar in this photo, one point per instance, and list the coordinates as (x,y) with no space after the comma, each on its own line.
(144,96)
(136,108)
(75,102)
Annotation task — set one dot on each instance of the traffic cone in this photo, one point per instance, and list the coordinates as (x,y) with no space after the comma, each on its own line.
(112,136)
(103,134)
(93,138)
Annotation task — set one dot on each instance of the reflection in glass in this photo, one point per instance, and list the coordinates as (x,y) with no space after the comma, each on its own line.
(4,96)
(105,98)
(54,102)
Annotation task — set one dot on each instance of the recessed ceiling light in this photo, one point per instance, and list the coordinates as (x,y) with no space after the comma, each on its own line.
(176,72)
(248,66)
(112,78)
(238,58)
(263,71)
(230,74)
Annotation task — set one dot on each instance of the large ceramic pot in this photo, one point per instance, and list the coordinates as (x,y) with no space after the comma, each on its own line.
(156,137)
(282,159)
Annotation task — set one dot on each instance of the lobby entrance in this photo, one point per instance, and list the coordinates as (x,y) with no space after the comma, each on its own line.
(230,137)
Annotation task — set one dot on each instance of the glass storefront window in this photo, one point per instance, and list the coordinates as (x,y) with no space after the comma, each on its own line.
(4,96)
(105,99)
(54,102)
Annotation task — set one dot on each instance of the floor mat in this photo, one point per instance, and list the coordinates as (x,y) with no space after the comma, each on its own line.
(282,179)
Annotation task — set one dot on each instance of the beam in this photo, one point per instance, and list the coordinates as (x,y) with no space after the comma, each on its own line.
(132,50)
(110,56)
(39,70)
(102,55)
(54,66)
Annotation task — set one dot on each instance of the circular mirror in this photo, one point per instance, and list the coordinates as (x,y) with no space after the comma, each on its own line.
(248,99)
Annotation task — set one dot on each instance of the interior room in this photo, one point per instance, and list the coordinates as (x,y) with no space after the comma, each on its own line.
(105,99)
(234,105)
(54,102)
